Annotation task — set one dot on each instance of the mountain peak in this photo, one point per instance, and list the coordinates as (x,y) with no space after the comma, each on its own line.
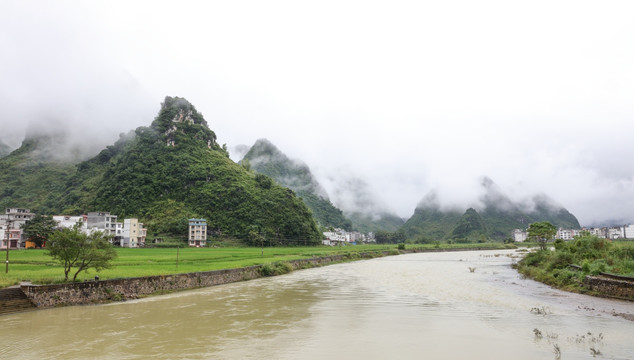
(265,148)
(179,117)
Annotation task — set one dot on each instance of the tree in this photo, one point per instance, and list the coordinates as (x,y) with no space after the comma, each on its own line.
(39,228)
(383,237)
(542,232)
(75,249)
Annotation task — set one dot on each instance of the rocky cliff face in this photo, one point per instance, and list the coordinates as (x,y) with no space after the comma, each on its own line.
(178,118)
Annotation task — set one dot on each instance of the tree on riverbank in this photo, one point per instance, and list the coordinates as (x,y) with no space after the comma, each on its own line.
(75,249)
(542,232)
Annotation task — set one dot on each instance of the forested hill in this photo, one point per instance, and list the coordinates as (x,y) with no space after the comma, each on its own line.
(495,217)
(31,177)
(265,158)
(4,149)
(174,170)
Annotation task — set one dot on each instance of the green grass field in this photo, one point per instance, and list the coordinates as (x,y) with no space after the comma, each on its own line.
(38,267)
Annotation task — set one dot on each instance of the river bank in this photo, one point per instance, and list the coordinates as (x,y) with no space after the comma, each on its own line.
(587,265)
(406,307)
(122,289)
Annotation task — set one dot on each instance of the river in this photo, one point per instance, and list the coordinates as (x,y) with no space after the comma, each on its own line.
(426,305)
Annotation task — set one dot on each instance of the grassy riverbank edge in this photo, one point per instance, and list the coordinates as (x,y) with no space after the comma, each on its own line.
(572,266)
(37,267)
(109,294)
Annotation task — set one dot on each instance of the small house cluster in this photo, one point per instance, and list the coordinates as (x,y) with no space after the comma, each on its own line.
(343,237)
(612,233)
(129,233)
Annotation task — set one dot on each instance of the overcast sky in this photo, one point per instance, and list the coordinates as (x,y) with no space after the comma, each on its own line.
(409,96)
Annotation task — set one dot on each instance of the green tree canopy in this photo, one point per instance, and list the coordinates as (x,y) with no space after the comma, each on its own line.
(75,249)
(542,232)
(39,229)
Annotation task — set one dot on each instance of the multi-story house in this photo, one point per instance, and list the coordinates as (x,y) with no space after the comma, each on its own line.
(4,236)
(64,221)
(615,233)
(12,220)
(104,221)
(337,237)
(17,215)
(133,233)
(197,232)
(567,234)
(519,235)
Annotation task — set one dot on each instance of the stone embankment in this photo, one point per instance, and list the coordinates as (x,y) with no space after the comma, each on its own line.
(96,292)
(611,286)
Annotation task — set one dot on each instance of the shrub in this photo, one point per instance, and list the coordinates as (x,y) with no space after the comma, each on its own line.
(274,269)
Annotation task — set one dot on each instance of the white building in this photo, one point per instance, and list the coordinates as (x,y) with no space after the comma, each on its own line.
(628,231)
(519,235)
(567,234)
(197,232)
(615,233)
(3,236)
(102,221)
(64,221)
(12,220)
(133,233)
(598,232)
(337,237)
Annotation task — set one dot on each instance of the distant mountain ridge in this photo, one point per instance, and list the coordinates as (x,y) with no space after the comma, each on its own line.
(495,218)
(267,159)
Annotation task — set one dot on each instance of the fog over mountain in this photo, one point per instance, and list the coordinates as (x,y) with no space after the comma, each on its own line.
(405,96)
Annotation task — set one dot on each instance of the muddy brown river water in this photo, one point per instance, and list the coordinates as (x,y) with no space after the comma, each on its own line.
(413,306)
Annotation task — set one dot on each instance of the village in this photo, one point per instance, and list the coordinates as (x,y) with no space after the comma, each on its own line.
(612,233)
(130,233)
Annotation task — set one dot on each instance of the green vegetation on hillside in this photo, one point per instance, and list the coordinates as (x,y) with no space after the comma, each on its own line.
(162,174)
(470,227)
(4,149)
(591,254)
(30,179)
(366,223)
(430,222)
(265,158)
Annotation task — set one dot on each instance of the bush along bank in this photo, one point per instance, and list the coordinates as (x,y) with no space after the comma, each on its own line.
(584,265)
